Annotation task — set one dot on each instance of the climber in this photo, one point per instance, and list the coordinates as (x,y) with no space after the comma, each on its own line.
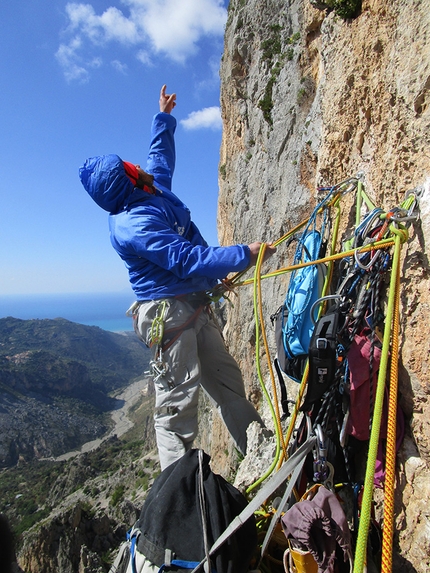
(171,268)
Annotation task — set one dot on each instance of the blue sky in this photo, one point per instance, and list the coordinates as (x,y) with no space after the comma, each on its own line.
(82,79)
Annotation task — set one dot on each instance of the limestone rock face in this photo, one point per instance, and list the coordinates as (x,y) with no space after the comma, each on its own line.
(308,99)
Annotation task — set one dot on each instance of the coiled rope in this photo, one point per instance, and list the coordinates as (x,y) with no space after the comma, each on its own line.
(273,410)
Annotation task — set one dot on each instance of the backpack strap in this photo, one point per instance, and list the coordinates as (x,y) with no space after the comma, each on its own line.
(122,550)
(180,563)
(203,510)
(128,546)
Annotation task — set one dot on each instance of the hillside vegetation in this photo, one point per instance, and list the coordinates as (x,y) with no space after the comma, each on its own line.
(56,384)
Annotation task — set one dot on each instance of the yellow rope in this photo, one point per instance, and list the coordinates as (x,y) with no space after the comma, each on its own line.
(390,462)
(257,274)
(266,347)
(383,244)
(330,265)
(281,442)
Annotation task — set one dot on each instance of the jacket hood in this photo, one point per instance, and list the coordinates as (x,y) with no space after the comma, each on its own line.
(105,180)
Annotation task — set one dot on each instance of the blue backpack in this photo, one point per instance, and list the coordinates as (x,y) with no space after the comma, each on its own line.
(293,322)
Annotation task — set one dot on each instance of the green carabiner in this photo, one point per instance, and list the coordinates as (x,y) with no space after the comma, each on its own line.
(157,326)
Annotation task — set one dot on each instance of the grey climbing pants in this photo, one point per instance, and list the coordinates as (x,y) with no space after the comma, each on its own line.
(196,357)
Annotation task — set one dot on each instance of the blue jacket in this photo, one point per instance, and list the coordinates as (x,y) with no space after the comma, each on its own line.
(162,248)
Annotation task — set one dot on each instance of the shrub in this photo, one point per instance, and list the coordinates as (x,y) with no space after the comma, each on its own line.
(345,8)
(266,104)
(117,495)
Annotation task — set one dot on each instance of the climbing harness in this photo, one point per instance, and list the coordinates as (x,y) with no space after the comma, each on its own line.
(161,338)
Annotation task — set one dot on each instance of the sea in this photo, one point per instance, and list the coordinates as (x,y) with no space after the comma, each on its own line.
(105,310)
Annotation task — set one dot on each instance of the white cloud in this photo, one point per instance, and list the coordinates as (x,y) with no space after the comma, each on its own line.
(175,27)
(95,63)
(172,28)
(111,25)
(74,67)
(209,117)
(119,66)
(144,57)
(66,56)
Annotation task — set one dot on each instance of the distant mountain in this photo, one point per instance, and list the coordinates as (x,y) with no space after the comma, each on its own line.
(55,380)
